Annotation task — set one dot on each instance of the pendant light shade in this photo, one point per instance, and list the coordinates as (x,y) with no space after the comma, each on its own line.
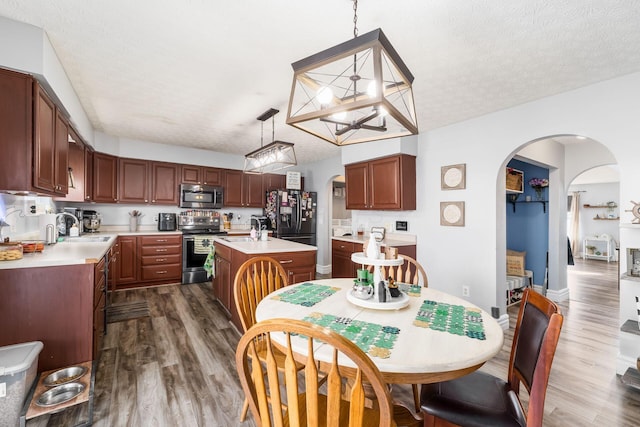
(357,91)
(272,157)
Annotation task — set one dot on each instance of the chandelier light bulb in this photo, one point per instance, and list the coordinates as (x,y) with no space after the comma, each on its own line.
(372,89)
(324,95)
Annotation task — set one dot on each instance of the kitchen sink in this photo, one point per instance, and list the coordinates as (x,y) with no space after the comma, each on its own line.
(87,239)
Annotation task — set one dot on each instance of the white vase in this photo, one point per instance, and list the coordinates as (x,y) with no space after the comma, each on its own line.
(133,223)
(373,251)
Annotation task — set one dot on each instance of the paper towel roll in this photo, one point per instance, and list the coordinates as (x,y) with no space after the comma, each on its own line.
(43,221)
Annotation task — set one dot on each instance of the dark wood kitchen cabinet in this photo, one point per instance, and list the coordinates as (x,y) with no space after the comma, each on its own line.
(126,264)
(99,302)
(33,137)
(192,174)
(105,178)
(143,181)
(133,180)
(387,183)
(50,145)
(300,266)
(146,260)
(79,160)
(243,189)
(273,181)
(341,264)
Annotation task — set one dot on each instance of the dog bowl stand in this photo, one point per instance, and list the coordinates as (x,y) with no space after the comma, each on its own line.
(33,410)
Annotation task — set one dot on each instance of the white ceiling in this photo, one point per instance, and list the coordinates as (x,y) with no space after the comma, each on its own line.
(198,72)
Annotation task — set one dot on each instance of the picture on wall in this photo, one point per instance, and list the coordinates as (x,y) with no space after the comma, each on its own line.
(514,180)
(452,214)
(453,177)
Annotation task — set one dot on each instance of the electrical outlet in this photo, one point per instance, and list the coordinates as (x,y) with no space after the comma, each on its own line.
(465,291)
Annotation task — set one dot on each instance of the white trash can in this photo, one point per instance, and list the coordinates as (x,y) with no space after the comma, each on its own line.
(18,371)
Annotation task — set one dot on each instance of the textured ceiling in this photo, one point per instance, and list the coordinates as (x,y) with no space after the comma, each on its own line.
(198,72)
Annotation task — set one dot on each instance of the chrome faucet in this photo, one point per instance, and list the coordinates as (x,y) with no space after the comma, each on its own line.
(260,225)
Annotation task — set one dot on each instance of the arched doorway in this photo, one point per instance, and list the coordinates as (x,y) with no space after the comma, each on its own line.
(565,157)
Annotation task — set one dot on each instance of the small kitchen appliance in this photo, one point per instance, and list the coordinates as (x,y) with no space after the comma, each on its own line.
(91,221)
(167,222)
(79,214)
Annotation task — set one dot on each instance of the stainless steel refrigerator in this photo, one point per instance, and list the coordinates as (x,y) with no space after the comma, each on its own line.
(291,214)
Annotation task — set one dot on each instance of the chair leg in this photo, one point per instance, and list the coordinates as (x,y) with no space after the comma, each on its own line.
(245,409)
(416,397)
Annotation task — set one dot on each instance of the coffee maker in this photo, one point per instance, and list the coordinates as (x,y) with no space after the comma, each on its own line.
(78,213)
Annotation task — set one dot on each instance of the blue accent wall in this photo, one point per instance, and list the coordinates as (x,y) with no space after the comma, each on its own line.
(528,226)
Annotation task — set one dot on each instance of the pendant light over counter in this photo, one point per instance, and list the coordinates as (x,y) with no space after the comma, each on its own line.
(272,157)
(357,91)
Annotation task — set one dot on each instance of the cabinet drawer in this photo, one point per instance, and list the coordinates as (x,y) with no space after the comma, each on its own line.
(162,272)
(174,239)
(161,250)
(345,247)
(295,259)
(161,259)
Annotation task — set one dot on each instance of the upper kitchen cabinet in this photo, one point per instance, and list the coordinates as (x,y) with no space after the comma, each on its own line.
(143,181)
(50,145)
(243,189)
(33,137)
(273,181)
(16,131)
(191,174)
(105,178)
(133,182)
(164,183)
(80,170)
(387,183)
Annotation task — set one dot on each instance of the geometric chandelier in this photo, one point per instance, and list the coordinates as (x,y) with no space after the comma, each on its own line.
(357,91)
(272,157)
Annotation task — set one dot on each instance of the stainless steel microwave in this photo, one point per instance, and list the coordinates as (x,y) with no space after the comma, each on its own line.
(196,196)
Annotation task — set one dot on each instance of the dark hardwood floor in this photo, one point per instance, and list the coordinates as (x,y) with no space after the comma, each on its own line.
(176,367)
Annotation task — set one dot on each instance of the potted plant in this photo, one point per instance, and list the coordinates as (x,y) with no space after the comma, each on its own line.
(591,249)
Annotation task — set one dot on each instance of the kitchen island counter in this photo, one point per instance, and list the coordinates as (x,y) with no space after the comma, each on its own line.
(272,245)
(389,240)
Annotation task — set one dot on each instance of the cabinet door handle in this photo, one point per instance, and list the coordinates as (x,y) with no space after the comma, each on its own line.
(161,240)
(160,259)
(161,272)
(287,261)
(161,250)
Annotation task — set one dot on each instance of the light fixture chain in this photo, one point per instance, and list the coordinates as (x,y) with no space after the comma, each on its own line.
(355,18)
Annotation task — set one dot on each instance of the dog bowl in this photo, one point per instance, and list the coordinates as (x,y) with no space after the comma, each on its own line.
(60,394)
(64,376)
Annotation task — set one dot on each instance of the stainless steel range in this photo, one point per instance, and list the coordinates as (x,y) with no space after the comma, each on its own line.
(198,228)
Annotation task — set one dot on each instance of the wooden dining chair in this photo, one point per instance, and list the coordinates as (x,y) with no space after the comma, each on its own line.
(256,278)
(311,404)
(410,272)
(480,399)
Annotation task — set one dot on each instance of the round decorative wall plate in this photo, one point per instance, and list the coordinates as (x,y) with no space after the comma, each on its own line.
(452,213)
(453,177)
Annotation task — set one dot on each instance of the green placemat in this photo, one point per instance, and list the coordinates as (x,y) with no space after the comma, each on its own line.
(454,319)
(306,294)
(376,340)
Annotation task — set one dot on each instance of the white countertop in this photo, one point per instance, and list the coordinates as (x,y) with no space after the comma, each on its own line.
(261,247)
(389,240)
(64,253)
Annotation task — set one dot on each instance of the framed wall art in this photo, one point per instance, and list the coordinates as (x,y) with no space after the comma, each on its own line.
(453,177)
(452,214)
(514,180)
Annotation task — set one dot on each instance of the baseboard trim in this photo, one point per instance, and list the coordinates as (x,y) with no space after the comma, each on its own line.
(323,269)
(558,295)
(503,321)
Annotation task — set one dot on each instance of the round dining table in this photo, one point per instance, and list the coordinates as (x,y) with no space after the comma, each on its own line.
(405,348)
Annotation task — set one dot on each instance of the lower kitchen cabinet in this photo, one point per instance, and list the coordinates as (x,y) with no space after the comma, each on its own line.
(300,266)
(341,250)
(57,305)
(99,302)
(149,260)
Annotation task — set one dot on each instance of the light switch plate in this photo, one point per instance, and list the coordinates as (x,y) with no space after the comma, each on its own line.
(402,226)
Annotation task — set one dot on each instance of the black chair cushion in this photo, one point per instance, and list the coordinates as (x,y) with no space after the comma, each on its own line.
(475,400)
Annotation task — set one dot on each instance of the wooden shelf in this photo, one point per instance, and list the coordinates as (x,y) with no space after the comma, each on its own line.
(599,206)
(543,202)
(608,219)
